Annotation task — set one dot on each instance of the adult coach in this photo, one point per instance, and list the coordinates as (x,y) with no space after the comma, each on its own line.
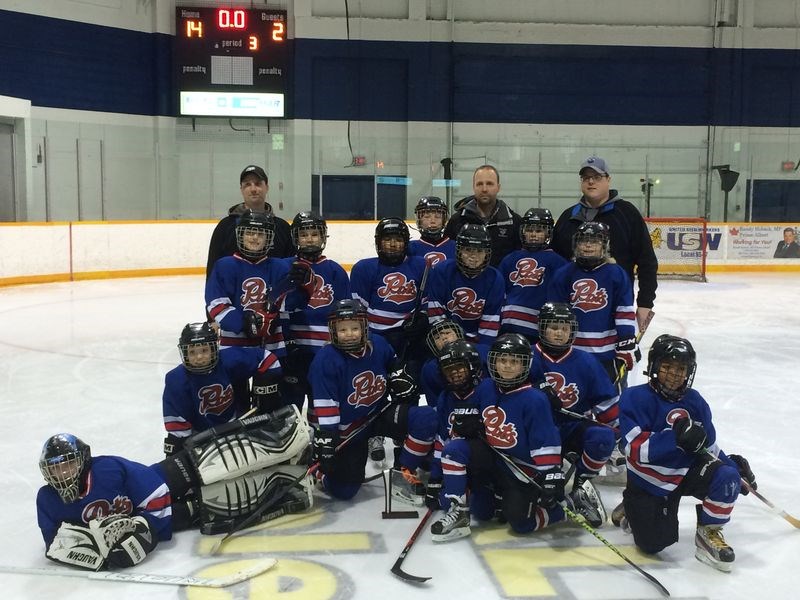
(254,187)
(630,242)
(485,208)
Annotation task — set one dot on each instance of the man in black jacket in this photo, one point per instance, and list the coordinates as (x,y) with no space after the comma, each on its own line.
(485,208)
(630,241)
(254,186)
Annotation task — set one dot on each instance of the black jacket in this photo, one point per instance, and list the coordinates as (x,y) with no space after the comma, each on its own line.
(223,240)
(784,250)
(630,241)
(503,226)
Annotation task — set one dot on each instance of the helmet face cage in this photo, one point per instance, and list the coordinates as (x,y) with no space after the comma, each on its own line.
(438,331)
(428,204)
(536,219)
(674,349)
(514,347)
(199,335)
(555,313)
(63,462)
(391,227)
(348,310)
(473,237)
(252,223)
(460,354)
(306,221)
(592,231)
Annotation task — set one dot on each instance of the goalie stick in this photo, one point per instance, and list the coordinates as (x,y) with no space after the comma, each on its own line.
(131,577)
(396,567)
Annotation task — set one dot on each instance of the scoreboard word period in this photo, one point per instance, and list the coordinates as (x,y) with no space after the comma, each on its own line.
(230,62)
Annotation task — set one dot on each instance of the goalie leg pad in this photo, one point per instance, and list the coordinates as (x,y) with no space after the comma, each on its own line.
(78,546)
(252,444)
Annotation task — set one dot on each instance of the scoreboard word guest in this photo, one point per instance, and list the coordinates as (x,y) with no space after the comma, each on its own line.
(230,62)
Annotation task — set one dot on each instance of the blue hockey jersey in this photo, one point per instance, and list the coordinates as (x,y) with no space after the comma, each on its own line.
(432,381)
(436,253)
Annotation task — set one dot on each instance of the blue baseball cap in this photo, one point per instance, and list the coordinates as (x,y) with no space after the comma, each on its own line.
(596,164)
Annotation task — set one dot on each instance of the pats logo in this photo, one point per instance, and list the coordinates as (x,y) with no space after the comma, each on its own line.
(323,293)
(214,399)
(465,304)
(434,258)
(586,296)
(528,273)
(368,388)
(121,505)
(568,393)
(675,414)
(254,292)
(499,433)
(397,288)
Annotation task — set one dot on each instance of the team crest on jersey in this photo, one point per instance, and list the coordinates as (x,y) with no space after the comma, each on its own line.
(254,292)
(434,258)
(568,393)
(368,388)
(121,505)
(397,288)
(528,273)
(214,399)
(675,414)
(323,293)
(586,296)
(465,303)
(499,433)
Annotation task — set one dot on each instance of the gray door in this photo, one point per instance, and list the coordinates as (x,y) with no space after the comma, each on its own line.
(7,197)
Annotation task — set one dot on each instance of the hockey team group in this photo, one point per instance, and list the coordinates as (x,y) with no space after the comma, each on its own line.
(491,355)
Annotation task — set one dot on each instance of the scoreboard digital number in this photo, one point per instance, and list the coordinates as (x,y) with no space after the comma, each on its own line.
(230,62)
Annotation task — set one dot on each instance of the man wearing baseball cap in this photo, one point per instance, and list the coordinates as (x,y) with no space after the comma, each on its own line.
(254,187)
(630,241)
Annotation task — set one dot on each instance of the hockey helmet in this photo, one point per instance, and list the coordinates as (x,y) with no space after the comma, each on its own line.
(536,220)
(510,360)
(441,333)
(195,338)
(460,353)
(391,227)
(591,231)
(471,241)
(557,313)
(675,350)
(251,228)
(64,463)
(348,310)
(309,221)
(428,204)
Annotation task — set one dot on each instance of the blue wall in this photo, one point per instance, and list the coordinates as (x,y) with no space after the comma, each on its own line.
(65,64)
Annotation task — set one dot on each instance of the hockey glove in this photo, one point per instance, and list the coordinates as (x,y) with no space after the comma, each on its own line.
(466,421)
(689,435)
(552,484)
(744,472)
(325,442)
(628,353)
(257,323)
(302,275)
(402,386)
(415,327)
(432,494)
(265,396)
(552,395)
(129,539)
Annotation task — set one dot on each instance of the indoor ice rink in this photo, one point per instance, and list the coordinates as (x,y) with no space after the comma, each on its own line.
(90,357)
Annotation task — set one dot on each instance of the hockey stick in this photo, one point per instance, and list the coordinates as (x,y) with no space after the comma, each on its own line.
(580,417)
(396,567)
(639,336)
(576,518)
(209,582)
(423,284)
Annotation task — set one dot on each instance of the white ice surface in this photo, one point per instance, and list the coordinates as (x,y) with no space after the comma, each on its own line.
(89,358)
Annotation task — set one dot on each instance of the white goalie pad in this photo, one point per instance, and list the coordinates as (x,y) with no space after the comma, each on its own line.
(252,444)
(78,546)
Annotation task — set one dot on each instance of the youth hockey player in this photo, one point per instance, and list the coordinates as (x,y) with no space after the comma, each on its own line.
(350,379)
(526,274)
(433,245)
(199,393)
(672,452)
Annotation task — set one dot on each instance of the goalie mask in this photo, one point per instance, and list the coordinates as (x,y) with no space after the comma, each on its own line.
(510,361)
(441,333)
(347,324)
(391,241)
(255,232)
(64,463)
(671,365)
(590,244)
(309,235)
(536,229)
(473,249)
(199,348)
(460,365)
(431,214)
(557,327)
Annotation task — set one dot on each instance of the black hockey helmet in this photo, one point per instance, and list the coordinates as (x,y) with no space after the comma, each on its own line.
(553,313)
(473,237)
(391,226)
(347,310)
(199,334)
(460,353)
(671,348)
(517,347)
(536,219)
(64,463)
(251,222)
(595,231)
(443,329)
(305,221)
(431,204)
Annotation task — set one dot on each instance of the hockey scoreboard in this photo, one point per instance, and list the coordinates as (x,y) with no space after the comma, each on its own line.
(230,62)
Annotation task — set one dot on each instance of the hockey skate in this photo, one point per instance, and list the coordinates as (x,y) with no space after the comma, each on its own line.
(453,525)
(407,487)
(585,501)
(615,471)
(377,453)
(619,519)
(712,549)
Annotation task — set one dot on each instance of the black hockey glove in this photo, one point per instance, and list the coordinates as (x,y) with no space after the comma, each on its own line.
(627,353)
(552,484)
(552,396)
(416,326)
(130,540)
(689,435)
(325,442)
(466,421)
(432,493)
(402,386)
(744,472)
(265,396)
(302,275)
(256,323)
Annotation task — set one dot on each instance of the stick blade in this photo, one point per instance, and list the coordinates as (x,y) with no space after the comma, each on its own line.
(243,574)
(398,572)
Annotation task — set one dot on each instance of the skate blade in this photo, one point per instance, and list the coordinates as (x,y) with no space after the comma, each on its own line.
(455,534)
(709,560)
